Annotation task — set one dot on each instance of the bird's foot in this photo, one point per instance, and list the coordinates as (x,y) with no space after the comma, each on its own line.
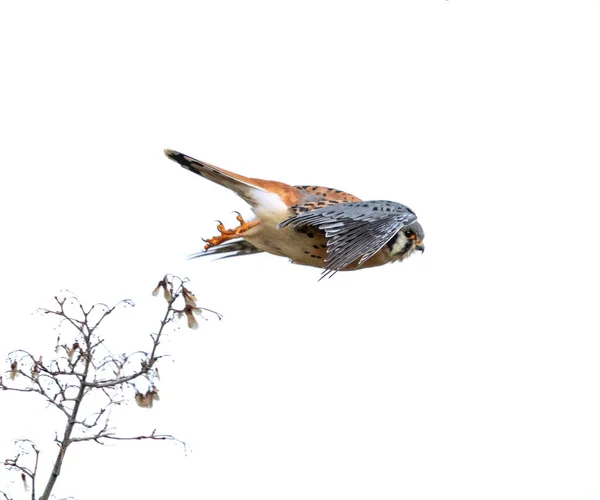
(229,234)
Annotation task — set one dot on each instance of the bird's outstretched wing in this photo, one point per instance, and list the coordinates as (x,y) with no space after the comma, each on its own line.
(354,231)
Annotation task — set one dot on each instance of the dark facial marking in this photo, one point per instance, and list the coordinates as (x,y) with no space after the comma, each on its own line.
(406,247)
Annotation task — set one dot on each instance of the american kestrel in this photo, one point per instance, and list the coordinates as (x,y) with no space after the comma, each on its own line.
(311,225)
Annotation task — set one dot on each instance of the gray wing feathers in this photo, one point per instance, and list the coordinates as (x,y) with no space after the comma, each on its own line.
(354,231)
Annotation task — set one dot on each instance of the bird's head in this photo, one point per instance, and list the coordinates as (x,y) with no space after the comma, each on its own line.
(406,241)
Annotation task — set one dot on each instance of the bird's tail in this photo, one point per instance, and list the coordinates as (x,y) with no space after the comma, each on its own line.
(242,186)
(231,248)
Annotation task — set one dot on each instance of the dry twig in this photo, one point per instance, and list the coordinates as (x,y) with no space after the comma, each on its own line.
(86,366)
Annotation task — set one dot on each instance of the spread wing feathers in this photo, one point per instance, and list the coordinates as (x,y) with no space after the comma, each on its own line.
(231,248)
(239,184)
(354,231)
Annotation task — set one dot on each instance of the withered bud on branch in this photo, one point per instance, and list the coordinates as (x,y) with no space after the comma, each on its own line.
(190,299)
(72,350)
(160,285)
(190,309)
(191,319)
(168,294)
(140,399)
(35,372)
(146,400)
(14,370)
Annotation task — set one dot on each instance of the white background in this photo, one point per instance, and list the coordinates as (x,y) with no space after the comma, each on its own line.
(471,371)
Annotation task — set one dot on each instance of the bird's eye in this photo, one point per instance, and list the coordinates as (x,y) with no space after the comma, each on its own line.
(410,234)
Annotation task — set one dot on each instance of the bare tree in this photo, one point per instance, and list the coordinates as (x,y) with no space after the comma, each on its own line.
(85,368)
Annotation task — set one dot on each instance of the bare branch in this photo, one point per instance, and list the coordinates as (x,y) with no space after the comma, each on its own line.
(26,446)
(85,365)
(109,436)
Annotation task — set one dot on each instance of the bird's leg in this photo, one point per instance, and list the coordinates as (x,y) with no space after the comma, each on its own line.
(230,234)
(224,235)
(244,226)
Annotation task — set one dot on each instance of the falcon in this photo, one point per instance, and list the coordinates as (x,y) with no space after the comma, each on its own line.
(310,225)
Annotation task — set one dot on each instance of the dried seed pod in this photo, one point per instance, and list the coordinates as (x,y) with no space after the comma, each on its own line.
(161,284)
(35,372)
(72,350)
(143,400)
(191,319)
(153,393)
(190,299)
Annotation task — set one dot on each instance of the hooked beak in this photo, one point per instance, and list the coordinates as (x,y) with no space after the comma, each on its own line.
(419,246)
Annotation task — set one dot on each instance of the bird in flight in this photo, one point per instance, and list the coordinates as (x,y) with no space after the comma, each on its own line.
(310,225)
